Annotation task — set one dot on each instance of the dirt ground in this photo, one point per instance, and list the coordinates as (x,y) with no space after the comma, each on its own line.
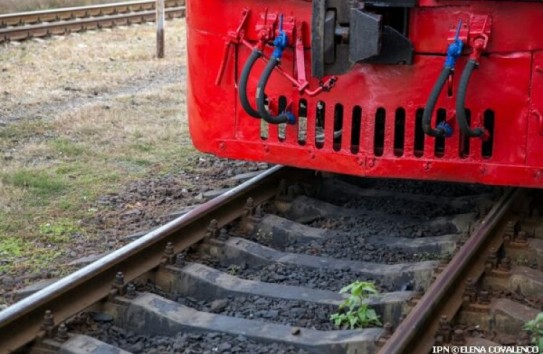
(94,146)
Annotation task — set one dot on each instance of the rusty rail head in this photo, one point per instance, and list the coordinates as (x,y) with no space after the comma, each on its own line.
(20,323)
(415,332)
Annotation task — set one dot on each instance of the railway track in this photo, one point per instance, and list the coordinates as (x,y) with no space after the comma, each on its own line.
(258,269)
(39,24)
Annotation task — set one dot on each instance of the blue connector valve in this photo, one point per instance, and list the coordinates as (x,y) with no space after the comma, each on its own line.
(455,49)
(291,119)
(281,41)
(445,128)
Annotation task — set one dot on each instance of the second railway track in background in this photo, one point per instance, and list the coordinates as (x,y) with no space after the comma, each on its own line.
(258,269)
(39,24)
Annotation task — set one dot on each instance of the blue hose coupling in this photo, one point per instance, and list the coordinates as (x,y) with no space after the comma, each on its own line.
(291,119)
(455,49)
(445,128)
(280,42)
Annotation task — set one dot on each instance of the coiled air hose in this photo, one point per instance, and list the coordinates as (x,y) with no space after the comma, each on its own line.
(283,117)
(440,131)
(255,54)
(461,101)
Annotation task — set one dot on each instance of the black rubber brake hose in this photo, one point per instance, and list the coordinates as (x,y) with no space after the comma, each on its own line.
(461,101)
(260,95)
(255,54)
(431,103)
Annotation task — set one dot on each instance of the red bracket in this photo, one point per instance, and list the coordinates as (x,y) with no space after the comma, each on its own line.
(480,29)
(232,38)
(300,58)
(475,33)
(266,27)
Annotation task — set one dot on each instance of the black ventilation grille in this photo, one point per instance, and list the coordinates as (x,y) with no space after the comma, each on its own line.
(396,123)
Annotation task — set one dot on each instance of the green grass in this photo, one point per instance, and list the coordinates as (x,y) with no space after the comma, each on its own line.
(25,129)
(59,230)
(40,183)
(34,258)
(58,163)
(134,163)
(67,147)
(41,260)
(10,223)
(11,247)
(55,193)
(143,147)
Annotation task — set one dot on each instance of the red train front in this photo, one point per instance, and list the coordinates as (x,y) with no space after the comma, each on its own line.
(420,89)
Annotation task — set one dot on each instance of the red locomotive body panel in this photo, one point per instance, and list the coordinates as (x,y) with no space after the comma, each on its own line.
(370,122)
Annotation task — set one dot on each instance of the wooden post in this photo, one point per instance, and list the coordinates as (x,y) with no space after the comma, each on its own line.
(160,28)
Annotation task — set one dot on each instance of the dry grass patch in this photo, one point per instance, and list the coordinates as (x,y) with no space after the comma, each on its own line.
(138,132)
(78,67)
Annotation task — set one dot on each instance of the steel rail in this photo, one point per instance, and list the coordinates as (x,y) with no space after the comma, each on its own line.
(70,13)
(415,334)
(20,323)
(83,24)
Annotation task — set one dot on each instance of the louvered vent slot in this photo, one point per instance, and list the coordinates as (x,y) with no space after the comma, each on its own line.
(379,133)
(338,126)
(282,128)
(439,146)
(488,145)
(302,122)
(264,127)
(419,134)
(399,132)
(356,124)
(465,140)
(319,124)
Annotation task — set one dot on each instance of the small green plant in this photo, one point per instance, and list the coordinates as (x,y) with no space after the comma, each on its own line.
(535,327)
(354,312)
